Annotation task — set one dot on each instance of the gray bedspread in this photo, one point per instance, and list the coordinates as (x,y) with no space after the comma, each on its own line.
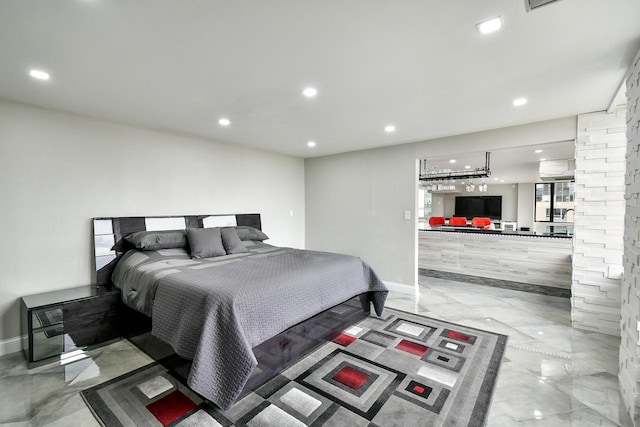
(214,311)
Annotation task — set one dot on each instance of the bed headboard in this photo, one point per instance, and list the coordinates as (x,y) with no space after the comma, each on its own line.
(108,232)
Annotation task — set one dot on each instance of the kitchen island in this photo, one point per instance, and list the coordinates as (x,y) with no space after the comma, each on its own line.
(537,260)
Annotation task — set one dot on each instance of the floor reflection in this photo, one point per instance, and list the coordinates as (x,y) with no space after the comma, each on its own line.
(79,366)
(551,374)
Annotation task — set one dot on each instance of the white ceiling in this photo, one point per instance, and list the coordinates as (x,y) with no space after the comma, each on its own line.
(508,166)
(418,64)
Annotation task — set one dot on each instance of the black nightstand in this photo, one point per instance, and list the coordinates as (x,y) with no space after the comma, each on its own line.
(69,319)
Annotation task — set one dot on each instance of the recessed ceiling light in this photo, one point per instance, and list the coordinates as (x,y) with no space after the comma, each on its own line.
(496,179)
(310,92)
(518,102)
(502,180)
(490,26)
(311,144)
(39,74)
(542,160)
(538,151)
(224,122)
(467,166)
(389,128)
(452,161)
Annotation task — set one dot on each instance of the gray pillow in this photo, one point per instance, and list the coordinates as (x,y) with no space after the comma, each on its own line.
(249,233)
(154,240)
(231,242)
(205,242)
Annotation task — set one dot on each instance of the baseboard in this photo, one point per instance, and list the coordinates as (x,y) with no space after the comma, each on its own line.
(11,345)
(401,288)
(498,283)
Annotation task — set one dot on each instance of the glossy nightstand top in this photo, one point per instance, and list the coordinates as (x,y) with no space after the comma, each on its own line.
(64,295)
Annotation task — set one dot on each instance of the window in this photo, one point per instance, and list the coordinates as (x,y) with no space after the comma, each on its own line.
(424,203)
(424,208)
(543,202)
(554,202)
(564,192)
(543,192)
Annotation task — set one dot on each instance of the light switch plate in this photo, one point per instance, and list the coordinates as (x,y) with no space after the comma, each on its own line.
(407,214)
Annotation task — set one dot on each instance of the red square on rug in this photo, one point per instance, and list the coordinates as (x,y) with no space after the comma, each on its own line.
(458,336)
(419,389)
(171,406)
(351,377)
(412,347)
(344,339)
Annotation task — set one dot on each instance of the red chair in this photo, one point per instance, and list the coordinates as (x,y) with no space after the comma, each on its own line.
(435,221)
(480,222)
(458,221)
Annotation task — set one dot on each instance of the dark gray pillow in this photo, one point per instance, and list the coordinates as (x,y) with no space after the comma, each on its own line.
(154,240)
(205,242)
(250,233)
(231,242)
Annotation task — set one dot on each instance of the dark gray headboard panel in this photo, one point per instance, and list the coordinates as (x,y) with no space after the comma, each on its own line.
(109,232)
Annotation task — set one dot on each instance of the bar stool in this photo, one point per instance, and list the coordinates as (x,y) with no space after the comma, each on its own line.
(458,221)
(436,221)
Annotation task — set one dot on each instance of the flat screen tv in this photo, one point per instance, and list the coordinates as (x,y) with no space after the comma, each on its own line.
(482,206)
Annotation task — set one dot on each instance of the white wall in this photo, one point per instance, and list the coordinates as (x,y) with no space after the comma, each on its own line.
(629,375)
(599,222)
(437,204)
(57,171)
(526,193)
(355,201)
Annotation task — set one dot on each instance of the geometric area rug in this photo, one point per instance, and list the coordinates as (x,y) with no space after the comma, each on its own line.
(398,370)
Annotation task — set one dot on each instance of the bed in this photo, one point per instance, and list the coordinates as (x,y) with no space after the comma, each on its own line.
(215,310)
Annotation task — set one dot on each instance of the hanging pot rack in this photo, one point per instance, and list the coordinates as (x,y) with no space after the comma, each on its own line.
(427,175)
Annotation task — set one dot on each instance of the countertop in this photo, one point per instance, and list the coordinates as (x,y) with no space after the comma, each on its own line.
(476,230)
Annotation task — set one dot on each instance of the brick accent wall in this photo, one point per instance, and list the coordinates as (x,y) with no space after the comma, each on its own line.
(629,375)
(598,222)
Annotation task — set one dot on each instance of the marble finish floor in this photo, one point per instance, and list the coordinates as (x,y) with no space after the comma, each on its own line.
(49,395)
(551,375)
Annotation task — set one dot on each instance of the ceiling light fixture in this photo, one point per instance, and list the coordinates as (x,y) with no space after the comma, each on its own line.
(519,102)
(467,166)
(310,92)
(389,128)
(39,74)
(538,151)
(224,122)
(452,161)
(490,26)
(311,144)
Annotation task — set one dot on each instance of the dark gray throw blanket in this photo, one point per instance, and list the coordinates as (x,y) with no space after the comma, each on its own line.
(214,315)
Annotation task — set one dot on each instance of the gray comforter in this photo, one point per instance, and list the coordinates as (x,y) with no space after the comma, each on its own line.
(215,310)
